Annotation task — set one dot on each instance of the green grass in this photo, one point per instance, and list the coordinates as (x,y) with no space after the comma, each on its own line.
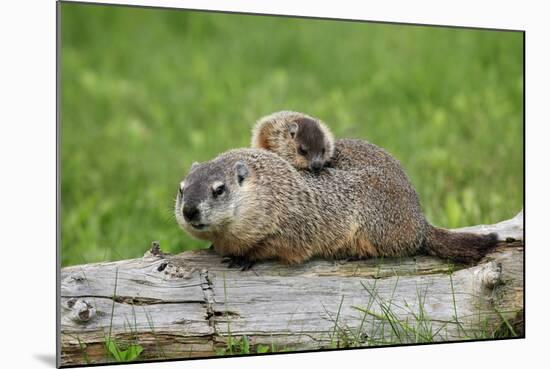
(120,351)
(144,93)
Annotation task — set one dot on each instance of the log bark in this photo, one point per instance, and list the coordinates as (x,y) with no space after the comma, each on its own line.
(192,305)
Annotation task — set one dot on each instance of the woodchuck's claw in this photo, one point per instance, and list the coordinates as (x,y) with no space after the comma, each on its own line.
(238,262)
(354,258)
(248,265)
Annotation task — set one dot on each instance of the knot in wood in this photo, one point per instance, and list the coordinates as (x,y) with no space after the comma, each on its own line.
(489,274)
(77,278)
(172,271)
(81,311)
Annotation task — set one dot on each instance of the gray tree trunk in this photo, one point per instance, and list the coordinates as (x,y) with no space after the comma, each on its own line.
(192,305)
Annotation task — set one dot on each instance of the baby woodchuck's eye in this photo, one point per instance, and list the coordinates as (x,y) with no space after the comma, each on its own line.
(218,189)
(302,151)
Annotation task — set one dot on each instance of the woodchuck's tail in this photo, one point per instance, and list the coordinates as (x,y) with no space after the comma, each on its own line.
(459,247)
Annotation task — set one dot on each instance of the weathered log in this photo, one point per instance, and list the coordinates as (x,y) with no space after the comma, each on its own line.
(192,305)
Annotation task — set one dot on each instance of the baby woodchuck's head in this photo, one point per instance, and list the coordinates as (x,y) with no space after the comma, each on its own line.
(211,195)
(304,141)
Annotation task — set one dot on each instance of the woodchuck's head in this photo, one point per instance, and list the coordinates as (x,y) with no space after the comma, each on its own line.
(312,143)
(303,141)
(210,195)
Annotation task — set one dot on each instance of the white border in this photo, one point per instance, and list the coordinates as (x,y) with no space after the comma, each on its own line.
(27,195)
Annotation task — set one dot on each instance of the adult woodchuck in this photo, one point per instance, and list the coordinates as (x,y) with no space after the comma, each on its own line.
(254,205)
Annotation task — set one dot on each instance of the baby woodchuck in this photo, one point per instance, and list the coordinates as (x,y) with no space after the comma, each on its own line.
(254,205)
(307,143)
(304,141)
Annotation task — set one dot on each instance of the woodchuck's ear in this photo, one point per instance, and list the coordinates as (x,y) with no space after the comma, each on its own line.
(241,171)
(292,129)
(194,165)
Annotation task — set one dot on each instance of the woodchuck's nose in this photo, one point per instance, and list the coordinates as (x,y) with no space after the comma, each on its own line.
(190,212)
(316,165)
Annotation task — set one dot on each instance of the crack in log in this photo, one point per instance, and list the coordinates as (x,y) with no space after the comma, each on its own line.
(211,313)
(208,293)
(133,300)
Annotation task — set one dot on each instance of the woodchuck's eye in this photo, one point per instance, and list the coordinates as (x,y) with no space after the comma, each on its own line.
(218,190)
(302,151)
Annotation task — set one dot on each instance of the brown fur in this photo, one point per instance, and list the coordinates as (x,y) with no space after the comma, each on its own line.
(461,247)
(278,212)
(402,207)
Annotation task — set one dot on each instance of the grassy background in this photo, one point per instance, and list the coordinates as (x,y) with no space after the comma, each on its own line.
(147,92)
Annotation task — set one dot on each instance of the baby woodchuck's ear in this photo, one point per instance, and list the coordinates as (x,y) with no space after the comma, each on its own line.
(293,128)
(194,165)
(241,171)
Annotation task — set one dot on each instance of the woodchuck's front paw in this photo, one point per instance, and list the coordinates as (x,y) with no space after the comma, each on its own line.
(238,262)
(354,258)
